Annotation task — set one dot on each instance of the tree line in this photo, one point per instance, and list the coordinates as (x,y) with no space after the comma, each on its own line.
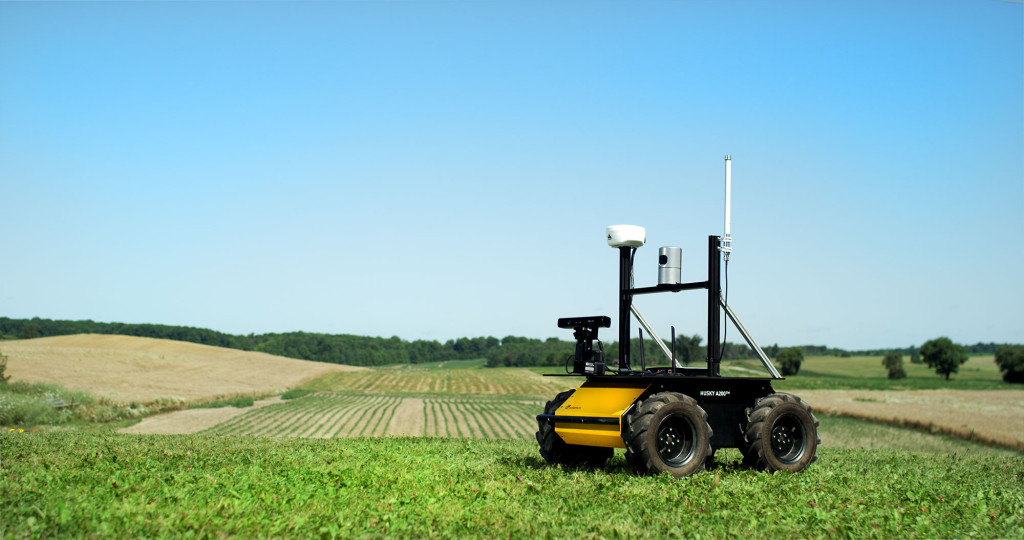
(513,351)
(331,348)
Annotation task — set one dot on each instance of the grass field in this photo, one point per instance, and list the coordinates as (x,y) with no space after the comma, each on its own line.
(103,485)
(863,373)
(332,461)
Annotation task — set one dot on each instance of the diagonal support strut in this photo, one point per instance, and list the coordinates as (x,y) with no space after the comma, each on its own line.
(750,340)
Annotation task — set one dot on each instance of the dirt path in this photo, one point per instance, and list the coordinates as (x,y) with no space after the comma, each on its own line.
(992,417)
(408,420)
(191,420)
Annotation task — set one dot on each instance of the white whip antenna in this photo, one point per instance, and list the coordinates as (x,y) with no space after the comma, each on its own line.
(727,239)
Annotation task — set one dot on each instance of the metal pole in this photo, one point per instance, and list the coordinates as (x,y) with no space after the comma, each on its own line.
(625,302)
(714,310)
(673,348)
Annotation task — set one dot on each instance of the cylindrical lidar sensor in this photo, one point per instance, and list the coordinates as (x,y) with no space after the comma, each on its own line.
(670,261)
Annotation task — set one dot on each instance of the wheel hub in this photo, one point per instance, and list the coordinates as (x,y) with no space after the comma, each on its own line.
(781,439)
(675,440)
(787,439)
(669,441)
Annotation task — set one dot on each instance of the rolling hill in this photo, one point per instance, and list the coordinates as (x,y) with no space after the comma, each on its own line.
(126,368)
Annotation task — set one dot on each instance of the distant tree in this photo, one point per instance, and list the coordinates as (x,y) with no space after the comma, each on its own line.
(688,348)
(29,331)
(943,355)
(1010,359)
(509,340)
(893,362)
(790,359)
(3,367)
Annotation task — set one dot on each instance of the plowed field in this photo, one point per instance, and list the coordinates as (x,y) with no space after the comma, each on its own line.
(335,414)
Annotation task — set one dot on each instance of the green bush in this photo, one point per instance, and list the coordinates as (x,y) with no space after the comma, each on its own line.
(240,402)
(295,393)
(111,411)
(790,359)
(1010,359)
(31,404)
(29,410)
(50,391)
(3,367)
(893,362)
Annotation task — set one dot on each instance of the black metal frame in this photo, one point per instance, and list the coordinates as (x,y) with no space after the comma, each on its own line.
(713,285)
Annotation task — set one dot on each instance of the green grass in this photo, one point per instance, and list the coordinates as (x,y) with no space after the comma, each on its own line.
(83,485)
(240,402)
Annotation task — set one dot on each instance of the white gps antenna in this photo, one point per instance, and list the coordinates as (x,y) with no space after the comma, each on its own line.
(726,247)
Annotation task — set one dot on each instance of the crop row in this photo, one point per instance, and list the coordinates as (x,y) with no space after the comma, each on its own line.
(506,382)
(336,414)
(322,415)
(480,419)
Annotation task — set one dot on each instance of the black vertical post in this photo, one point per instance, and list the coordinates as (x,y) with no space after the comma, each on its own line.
(673,348)
(625,301)
(714,308)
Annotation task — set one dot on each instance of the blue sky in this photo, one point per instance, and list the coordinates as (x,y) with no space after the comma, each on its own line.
(441,169)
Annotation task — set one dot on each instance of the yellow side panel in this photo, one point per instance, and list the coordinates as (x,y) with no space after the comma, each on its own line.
(601,400)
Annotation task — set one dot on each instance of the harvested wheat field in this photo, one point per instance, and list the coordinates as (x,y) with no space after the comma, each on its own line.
(991,417)
(125,368)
